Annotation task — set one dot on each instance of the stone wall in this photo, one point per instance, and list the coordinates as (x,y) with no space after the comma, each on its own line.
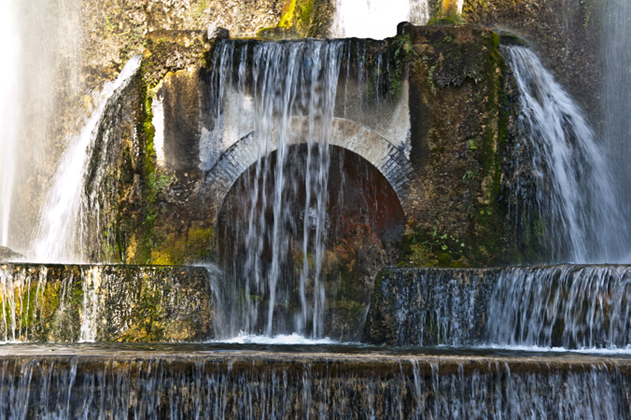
(68,303)
(566,34)
(443,144)
(462,116)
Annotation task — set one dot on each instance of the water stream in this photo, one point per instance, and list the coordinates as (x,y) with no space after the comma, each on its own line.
(59,235)
(569,204)
(293,89)
(9,76)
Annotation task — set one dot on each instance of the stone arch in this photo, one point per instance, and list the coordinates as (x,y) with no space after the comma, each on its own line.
(377,150)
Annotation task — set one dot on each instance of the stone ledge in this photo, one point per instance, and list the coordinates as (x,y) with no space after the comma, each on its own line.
(249,385)
(68,303)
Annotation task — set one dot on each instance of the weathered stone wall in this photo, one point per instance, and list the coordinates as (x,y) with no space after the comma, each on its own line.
(443,143)
(66,303)
(462,117)
(566,34)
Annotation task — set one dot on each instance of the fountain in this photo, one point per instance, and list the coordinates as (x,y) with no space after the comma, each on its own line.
(8,97)
(255,228)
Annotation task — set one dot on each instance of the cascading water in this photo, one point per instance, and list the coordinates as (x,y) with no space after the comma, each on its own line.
(284,97)
(565,306)
(569,205)
(293,90)
(59,235)
(246,386)
(10,45)
(572,307)
(39,82)
(376,19)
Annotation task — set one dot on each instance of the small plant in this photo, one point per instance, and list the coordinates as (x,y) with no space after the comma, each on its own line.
(448,39)
(403,47)
(403,52)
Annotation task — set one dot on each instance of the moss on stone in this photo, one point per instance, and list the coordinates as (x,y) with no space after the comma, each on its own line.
(458,145)
(441,21)
(300,19)
(510,39)
(289,15)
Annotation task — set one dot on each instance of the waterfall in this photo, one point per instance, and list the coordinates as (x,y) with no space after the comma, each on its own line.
(291,97)
(376,19)
(569,206)
(37,85)
(330,386)
(566,306)
(9,75)
(59,234)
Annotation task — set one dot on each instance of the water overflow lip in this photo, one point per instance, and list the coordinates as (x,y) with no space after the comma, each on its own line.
(356,355)
(228,351)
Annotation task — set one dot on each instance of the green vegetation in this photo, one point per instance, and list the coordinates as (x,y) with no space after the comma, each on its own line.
(300,19)
(438,21)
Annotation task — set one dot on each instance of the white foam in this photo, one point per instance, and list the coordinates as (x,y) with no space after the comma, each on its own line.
(281,339)
(544,349)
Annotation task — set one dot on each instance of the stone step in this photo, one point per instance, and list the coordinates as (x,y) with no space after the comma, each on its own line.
(246,383)
(570,306)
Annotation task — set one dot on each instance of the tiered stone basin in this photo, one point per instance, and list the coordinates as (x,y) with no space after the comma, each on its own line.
(176,369)
(219,380)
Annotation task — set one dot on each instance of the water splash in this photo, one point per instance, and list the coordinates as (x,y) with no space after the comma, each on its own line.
(9,77)
(59,235)
(376,19)
(282,339)
(569,206)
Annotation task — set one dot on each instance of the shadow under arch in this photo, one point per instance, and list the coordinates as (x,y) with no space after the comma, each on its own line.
(365,225)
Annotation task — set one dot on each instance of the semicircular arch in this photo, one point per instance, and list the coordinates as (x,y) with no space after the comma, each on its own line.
(377,150)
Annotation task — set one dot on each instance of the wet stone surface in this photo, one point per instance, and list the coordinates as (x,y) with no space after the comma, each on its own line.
(248,384)
(69,303)
(564,306)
